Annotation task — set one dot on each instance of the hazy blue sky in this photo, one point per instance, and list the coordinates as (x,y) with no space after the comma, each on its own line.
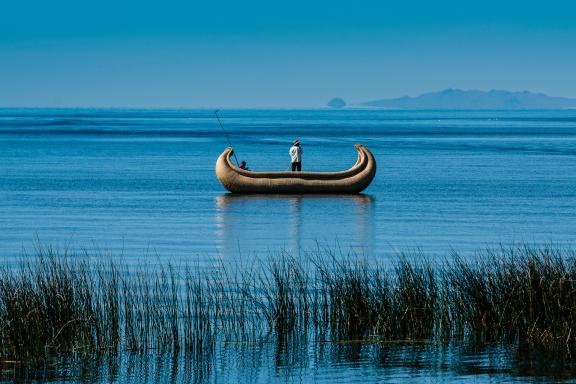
(278,53)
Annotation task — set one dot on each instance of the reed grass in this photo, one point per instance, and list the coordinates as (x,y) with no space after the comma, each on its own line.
(58,304)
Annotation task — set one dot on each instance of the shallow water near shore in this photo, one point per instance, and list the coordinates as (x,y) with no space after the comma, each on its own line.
(140,184)
(350,362)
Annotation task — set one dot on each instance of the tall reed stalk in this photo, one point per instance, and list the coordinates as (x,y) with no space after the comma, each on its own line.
(63,303)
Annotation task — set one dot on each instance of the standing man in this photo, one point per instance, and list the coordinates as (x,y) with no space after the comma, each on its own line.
(296,156)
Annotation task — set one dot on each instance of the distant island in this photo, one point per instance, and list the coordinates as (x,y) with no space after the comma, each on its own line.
(474,99)
(337,102)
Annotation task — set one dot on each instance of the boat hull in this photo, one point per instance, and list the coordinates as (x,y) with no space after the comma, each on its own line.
(350,181)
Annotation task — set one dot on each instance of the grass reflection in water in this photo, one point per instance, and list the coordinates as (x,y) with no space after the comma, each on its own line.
(60,307)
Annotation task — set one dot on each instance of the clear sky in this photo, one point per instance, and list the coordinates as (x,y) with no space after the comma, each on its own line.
(186,53)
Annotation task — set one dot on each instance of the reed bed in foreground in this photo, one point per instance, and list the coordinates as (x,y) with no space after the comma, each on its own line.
(57,304)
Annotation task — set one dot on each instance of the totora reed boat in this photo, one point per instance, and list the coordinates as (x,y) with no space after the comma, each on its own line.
(352,180)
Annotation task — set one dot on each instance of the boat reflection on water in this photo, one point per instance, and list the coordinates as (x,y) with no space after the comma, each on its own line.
(260,224)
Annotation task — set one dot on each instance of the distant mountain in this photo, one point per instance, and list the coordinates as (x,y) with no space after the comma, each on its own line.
(473,99)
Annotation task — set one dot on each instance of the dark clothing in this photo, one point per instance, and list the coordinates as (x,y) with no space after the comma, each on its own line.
(297,166)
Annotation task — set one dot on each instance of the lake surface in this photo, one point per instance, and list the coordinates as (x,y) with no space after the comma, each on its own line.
(352,362)
(140,184)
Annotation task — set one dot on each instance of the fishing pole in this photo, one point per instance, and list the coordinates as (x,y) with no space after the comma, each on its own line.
(226,135)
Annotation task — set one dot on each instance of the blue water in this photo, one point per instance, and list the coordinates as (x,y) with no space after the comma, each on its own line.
(140,184)
(348,362)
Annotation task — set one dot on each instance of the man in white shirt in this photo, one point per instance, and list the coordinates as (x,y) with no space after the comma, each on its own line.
(296,156)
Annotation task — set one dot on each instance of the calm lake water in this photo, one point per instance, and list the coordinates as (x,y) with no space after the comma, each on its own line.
(141,184)
(352,362)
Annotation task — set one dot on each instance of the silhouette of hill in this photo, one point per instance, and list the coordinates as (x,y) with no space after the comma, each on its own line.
(337,102)
(474,99)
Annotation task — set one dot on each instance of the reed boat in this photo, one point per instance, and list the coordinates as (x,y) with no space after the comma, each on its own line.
(353,180)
